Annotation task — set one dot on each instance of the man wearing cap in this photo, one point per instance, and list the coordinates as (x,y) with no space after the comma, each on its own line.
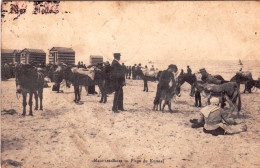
(164,80)
(217,121)
(118,81)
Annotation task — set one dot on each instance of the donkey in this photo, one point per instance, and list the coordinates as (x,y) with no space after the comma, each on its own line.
(30,80)
(230,88)
(147,78)
(167,96)
(80,78)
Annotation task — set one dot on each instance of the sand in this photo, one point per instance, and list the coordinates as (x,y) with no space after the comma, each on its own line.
(66,134)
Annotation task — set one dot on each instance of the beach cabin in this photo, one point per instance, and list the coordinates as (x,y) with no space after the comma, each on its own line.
(7,56)
(17,56)
(32,55)
(96,59)
(62,54)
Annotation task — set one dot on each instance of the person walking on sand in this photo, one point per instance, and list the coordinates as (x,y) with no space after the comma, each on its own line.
(216,121)
(118,81)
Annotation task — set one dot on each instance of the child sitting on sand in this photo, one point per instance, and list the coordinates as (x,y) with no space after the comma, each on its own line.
(216,121)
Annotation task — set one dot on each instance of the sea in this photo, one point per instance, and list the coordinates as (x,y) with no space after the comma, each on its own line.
(226,68)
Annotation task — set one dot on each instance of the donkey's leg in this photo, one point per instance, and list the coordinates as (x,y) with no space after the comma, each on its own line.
(80,90)
(160,105)
(76,95)
(105,98)
(105,95)
(170,106)
(102,97)
(208,98)
(30,103)
(231,105)
(36,100)
(164,104)
(86,88)
(144,86)
(24,103)
(40,94)
(196,100)
(101,90)
(147,87)
(236,103)
(153,107)
(199,98)
(104,88)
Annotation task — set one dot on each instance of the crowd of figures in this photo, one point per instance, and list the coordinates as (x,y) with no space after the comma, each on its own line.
(218,92)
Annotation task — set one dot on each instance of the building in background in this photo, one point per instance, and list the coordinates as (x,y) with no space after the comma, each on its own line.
(95,60)
(62,54)
(37,56)
(7,56)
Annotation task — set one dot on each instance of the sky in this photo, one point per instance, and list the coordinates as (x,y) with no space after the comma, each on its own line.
(142,30)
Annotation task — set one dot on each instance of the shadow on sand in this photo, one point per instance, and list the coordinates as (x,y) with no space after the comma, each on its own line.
(8,112)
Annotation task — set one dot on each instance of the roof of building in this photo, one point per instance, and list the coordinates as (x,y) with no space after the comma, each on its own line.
(9,51)
(18,51)
(96,56)
(62,49)
(34,50)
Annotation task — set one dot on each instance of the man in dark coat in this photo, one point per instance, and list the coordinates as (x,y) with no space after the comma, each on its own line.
(118,80)
(164,80)
(133,72)
(129,72)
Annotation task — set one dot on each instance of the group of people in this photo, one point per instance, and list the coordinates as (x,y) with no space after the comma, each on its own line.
(131,71)
(213,118)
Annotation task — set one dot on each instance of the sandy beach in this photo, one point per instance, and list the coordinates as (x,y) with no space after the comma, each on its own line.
(65,134)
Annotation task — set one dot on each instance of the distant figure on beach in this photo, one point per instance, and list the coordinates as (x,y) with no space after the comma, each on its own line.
(133,72)
(188,69)
(129,72)
(182,72)
(152,68)
(125,70)
(217,121)
(138,68)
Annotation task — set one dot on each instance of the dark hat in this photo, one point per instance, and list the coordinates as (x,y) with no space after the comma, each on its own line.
(172,66)
(117,55)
